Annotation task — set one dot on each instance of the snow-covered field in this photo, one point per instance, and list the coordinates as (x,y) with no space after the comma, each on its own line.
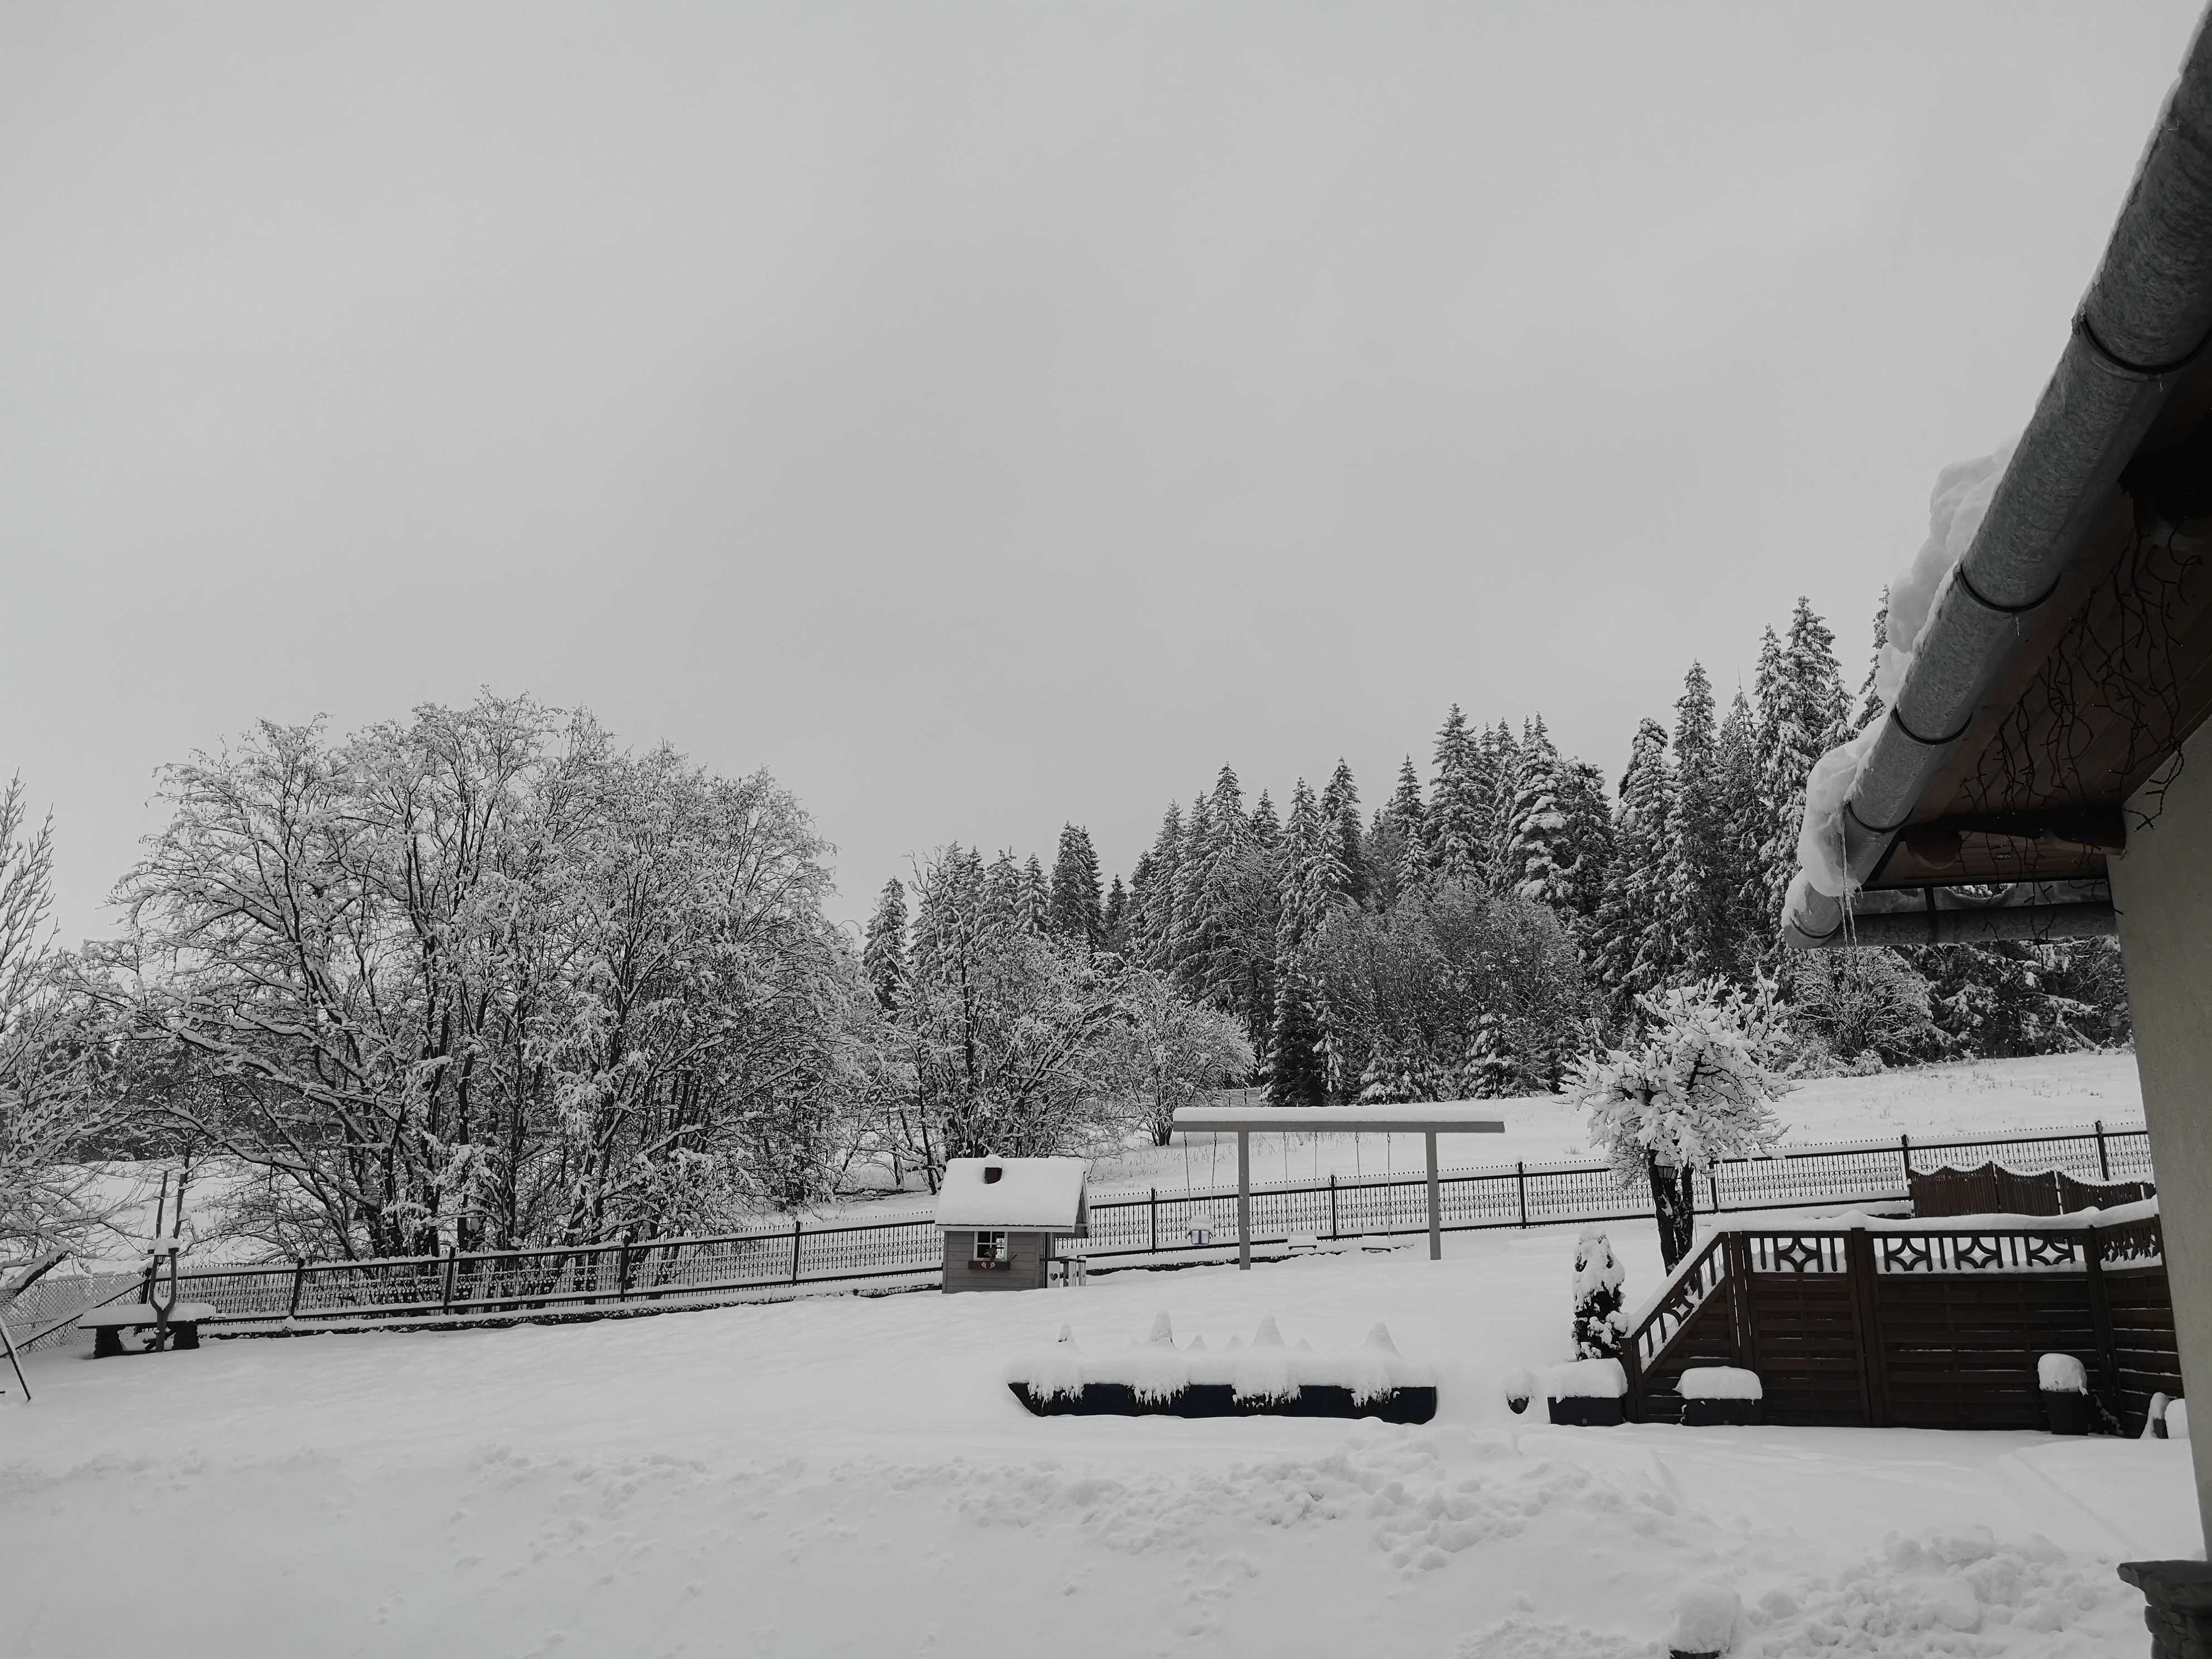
(851,1477)
(1961,1101)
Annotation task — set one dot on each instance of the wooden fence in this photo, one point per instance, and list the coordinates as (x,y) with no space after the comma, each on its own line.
(1919,1328)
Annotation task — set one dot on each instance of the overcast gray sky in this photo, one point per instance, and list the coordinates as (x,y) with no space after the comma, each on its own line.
(985,415)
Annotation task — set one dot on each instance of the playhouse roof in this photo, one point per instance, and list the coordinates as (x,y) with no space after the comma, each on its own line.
(1044,1194)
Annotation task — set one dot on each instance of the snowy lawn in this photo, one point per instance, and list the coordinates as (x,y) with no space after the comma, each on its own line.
(842,1476)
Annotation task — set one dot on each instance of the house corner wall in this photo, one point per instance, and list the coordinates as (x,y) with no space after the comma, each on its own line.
(2162,890)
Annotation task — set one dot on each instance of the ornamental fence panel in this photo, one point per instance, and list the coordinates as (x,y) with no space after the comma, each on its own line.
(1132,1229)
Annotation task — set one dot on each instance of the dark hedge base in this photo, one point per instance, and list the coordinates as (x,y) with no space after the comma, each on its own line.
(1719,1413)
(1217,1400)
(2067,1414)
(1587,1413)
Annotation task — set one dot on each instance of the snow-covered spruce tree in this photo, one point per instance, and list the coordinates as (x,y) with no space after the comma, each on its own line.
(1695,1087)
(1312,887)
(1697,869)
(882,957)
(1634,929)
(1871,708)
(1585,844)
(1497,774)
(1037,896)
(1803,713)
(1457,816)
(1600,1283)
(1339,813)
(1537,858)
(1114,919)
(1076,910)
(1153,894)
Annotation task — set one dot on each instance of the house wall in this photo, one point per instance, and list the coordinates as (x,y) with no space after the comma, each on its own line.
(1026,1253)
(2162,889)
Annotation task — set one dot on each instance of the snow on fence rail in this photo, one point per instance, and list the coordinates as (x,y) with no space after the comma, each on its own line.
(1135,1228)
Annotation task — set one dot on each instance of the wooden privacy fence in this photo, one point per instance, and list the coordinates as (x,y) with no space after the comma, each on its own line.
(1994,1190)
(1885,1327)
(1150,1227)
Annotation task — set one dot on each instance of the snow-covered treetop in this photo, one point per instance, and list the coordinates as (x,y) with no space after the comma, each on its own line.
(1693,1089)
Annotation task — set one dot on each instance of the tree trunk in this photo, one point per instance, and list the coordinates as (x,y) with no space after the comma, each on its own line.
(1673,1201)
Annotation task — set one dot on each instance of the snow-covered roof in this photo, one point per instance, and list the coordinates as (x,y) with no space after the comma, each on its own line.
(1044,1194)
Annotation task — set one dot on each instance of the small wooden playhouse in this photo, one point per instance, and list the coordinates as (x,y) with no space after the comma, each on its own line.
(1002,1219)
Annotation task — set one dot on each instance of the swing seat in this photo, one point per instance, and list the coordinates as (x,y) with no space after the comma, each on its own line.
(108,1324)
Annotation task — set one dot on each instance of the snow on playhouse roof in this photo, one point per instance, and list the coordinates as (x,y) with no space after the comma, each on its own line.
(1041,1195)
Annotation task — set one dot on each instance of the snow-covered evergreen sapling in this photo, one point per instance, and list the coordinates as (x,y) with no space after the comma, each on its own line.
(1694,1090)
(1599,1325)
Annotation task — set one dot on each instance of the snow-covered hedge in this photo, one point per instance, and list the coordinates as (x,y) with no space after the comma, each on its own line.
(1266,1369)
(1586,1379)
(1719,1382)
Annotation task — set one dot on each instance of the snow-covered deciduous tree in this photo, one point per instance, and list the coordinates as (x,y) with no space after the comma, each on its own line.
(51,1110)
(1862,1002)
(1601,1324)
(1695,1087)
(1168,1051)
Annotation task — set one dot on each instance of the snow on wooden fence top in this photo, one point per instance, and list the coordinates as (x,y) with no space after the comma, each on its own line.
(1458,1117)
(1040,1193)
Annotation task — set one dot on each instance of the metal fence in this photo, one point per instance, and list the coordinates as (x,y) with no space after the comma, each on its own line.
(1150,1227)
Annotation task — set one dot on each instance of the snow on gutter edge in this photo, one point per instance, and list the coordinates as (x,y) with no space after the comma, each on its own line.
(2141,325)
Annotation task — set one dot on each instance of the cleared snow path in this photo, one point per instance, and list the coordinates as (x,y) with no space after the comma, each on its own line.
(851,1477)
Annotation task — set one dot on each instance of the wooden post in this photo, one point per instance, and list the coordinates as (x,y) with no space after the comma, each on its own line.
(2101,1315)
(1244,1200)
(2103,1163)
(1520,1186)
(1866,1325)
(1435,1204)
(1333,1235)
(299,1273)
(796,1227)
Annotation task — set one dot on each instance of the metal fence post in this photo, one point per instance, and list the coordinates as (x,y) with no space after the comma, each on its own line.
(1905,1159)
(447,1306)
(1713,1187)
(1152,1205)
(1521,1185)
(796,1224)
(2103,1163)
(622,1269)
(1334,1234)
(298,1274)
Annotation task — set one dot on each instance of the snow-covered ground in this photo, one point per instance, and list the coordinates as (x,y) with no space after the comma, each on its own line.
(1962,1101)
(851,1477)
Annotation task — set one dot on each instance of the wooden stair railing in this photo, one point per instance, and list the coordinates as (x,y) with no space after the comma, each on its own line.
(1645,1347)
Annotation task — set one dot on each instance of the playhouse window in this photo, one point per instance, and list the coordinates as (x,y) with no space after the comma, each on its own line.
(990,1247)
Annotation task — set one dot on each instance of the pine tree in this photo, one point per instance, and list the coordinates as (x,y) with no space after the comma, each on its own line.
(1296,1070)
(1076,912)
(882,957)
(1497,775)
(1339,812)
(1153,890)
(1801,711)
(1585,840)
(1735,766)
(1697,878)
(1456,822)
(1871,706)
(1263,829)
(1536,859)
(1115,918)
(1036,897)
(1634,935)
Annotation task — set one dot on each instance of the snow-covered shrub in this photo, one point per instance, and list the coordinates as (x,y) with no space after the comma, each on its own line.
(1520,1389)
(1719,1382)
(1267,1369)
(2061,1373)
(1586,1379)
(1705,1617)
(1053,1373)
(1693,1089)
(1858,1002)
(1599,1324)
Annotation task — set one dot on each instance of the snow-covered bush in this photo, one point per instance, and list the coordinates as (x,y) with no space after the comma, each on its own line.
(1520,1388)
(1862,1002)
(2061,1373)
(1599,1325)
(1694,1089)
